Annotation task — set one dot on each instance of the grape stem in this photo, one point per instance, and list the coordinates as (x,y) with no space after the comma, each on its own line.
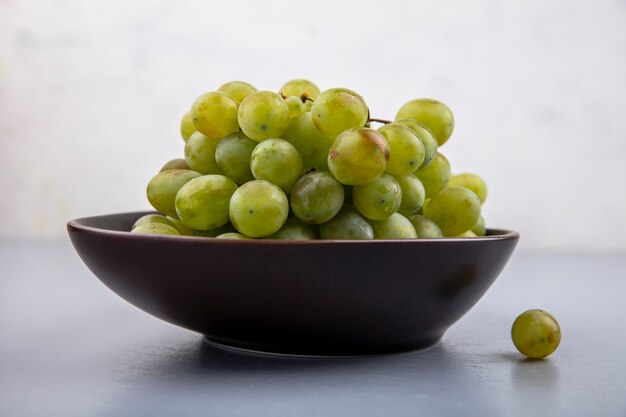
(373,119)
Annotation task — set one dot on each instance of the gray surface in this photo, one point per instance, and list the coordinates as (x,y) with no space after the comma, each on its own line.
(70,347)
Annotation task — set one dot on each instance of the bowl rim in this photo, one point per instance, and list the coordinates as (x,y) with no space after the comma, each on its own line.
(494,234)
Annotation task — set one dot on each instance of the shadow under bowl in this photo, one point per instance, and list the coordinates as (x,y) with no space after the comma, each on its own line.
(321,297)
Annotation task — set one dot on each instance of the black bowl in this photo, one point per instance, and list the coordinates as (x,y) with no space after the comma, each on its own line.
(322,297)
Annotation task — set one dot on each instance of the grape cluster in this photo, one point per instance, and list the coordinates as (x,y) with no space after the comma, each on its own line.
(305,164)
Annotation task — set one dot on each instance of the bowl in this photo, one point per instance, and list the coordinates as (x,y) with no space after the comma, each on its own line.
(320,297)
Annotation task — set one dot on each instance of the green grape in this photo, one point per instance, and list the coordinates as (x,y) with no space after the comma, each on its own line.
(348,224)
(233,236)
(155,229)
(202,203)
(164,186)
(186,126)
(467,233)
(455,210)
(294,230)
(227,228)
(259,208)
(276,161)
(300,87)
(200,153)
(233,155)
(395,226)
(215,114)
(177,163)
(379,199)
(406,150)
(435,176)
(311,143)
(296,107)
(426,136)
(263,115)
(358,156)
(425,228)
(317,197)
(152,218)
(434,115)
(181,227)
(237,90)
(536,333)
(479,227)
(413,194)
(472,182)
(338,109)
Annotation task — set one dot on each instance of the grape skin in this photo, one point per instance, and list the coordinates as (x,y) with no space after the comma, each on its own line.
(152,218)
(413,194)
(426,136)
(406,150)
(200,154)
(186,126)
(479,228)
(379,199)
(215,114)
(276,161)
(299,87)
(263,115)
(237,90)
(294,230)
(233,236)
(395,226)
(164,186)
(296,107)
(435,176)
(151,228)
(312,145)
(178,163)
(317,197)
(348,224)
(202,203)
(472,182)
(233,154)
(258,208)
(338,109)
(536,333)
(425,227)
(455,210)
(433,114)
(358,156)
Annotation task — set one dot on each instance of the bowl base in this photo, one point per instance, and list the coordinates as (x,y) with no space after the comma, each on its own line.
(319,352)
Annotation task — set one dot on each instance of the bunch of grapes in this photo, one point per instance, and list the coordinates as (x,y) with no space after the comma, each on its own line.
(305,164)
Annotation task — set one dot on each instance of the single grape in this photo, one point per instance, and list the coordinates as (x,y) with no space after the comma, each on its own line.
(155,229)
(395,226)
(299,87)
(455,210)
(296,107)
(186,126)
(317,197)
(338,109)
(294,230)
(379,199)
(263,115)
(413,194)
(237,90)
(152,218)
(178,163)
(258,208)
(435,176)
(348,224)
(233,236)
(472,182)
(434,115)
(215,114)
(406,150)
(182,228)
(426,136)
(164,186)
(233,155)
(200,153)
(202,203)
(227,228)
(536,333)
(425,228)
(479,228)
(312,145)
(358,156)
(276,161)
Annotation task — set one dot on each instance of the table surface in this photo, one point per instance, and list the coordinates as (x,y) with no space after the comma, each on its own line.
(70,347)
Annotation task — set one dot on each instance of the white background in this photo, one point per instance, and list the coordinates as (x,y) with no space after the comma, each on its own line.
(91,94)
